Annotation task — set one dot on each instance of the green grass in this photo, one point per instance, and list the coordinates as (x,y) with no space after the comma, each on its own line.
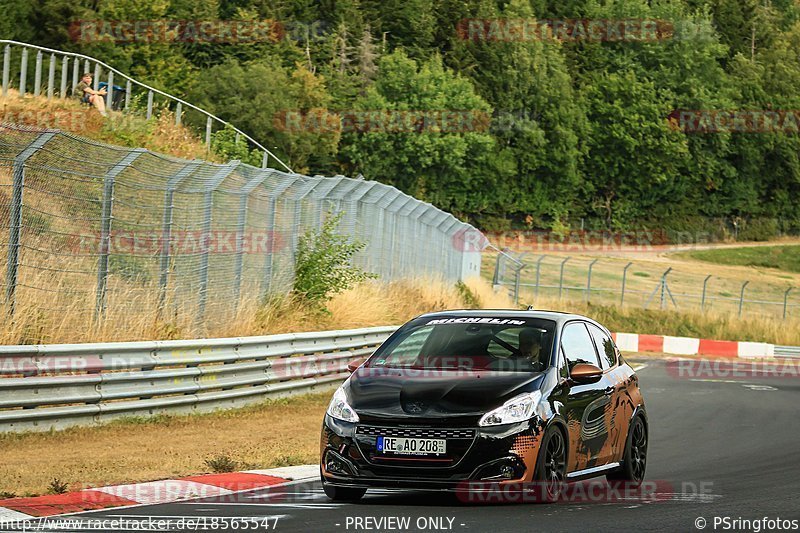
(779,257)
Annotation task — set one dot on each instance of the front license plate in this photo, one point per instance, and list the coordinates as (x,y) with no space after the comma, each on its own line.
(409,446)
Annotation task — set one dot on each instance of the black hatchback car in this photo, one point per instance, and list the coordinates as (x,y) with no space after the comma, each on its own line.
(501,397)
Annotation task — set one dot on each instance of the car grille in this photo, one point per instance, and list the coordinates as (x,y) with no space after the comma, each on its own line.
(459,441)
(419,433)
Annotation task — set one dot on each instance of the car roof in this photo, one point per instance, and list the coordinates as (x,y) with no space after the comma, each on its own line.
(556,316)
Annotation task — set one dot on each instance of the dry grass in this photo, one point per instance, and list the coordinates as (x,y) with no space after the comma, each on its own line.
(159,134)
(276,433)
(369,304)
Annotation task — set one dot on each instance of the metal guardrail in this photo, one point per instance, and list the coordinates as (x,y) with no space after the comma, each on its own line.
(57,386)
(787,351)
(98,67)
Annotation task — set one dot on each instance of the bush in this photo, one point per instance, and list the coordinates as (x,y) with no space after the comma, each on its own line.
(759,229)
(221,464)
(57,487)
(323,264)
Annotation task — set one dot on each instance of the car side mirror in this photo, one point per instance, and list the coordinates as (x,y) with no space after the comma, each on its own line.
(585,373)
(353,365)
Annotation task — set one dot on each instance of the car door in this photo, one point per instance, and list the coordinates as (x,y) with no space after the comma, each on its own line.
(587,405)
(615,382)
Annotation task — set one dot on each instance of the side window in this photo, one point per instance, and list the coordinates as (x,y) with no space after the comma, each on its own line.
(605,347)
(577,345)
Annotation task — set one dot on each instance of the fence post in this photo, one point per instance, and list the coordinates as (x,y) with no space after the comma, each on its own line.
(23,72)
(110,91)
(538,271)
(589,281)
(178,113)
(6,69)
(166,230)
(703,298)
(128,90)
(561,277)
(62,93)
(76,69)
(15,220)
(496,276)
(96,77)
(105,228)
(215,182)
(786,300)
(244,193)
(741,297)
(149,113)
(37,75)
(51,76)
(265,159)
(208,134)
(624,278)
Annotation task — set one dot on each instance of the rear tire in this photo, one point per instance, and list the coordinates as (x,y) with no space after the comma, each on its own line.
(551,466)
(634,460)
(343,494)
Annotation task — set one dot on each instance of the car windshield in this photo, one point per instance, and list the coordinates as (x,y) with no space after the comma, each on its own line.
(470,343)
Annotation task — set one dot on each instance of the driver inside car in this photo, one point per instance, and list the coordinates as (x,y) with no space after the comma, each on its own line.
(530,346)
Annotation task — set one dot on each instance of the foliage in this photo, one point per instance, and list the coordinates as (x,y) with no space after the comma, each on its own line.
(323,264)
(579,129)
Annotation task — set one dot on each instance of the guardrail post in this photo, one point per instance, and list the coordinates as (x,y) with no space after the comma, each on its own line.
(166,231)
(741,297)
(110,91)
(561,277)
(37,75)
(215,182)
(149,105)
(624,278)
(703,298)
(105,228)
(786,300)
(15,219)
(51,77)
(6,69)
(64,77)
(128,90)
(589,280)
(23,72)
(178,113)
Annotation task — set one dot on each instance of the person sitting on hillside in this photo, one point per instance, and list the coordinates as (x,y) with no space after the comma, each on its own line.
(84,92)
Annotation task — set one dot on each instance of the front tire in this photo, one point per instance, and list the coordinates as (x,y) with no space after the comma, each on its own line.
(343,494)
(634,461)
(551,466)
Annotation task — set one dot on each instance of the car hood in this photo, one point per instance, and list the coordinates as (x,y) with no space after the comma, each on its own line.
(392,393)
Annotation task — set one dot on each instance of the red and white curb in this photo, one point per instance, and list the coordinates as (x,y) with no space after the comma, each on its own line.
(153,492)
(634,342)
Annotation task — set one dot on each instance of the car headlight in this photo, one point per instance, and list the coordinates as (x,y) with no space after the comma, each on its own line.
(340,409)
(517,409)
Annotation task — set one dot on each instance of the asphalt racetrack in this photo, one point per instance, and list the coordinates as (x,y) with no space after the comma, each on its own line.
(719,449)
